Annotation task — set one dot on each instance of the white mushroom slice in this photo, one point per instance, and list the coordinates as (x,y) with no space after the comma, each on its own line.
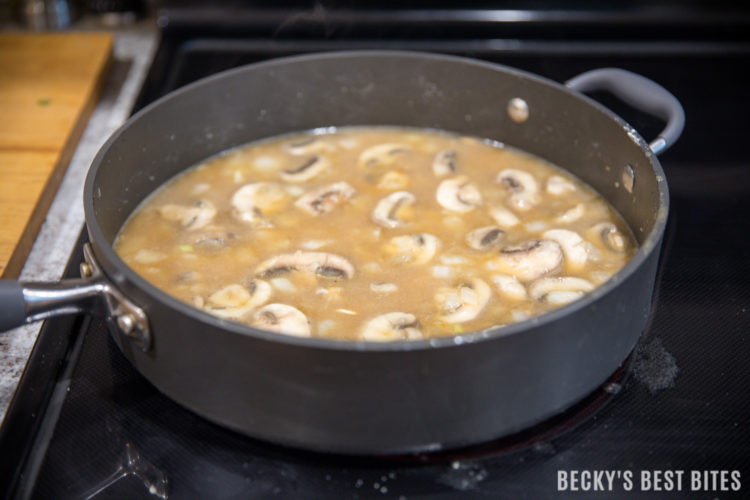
(282,318)
(503,217)
(573,246)
(558,185)
(307,170)
(417,248)
(323,264)
(308,145)
(383,287)
(610,236)
(252,202)
(463,303)
(509,287)
(214,240)
(572,214)
(523,186)
(559,291)
(485,238)
(323,200)
(193,217)
(531,259)
(444,163)
(392,326)
(234,301)
(382,154)
(385,213)
(393,179)
(458,194)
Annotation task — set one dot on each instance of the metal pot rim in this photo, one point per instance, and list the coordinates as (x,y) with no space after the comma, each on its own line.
(649,245)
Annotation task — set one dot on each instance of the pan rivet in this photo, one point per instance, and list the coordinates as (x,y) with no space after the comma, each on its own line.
(86,270)
(126,323)
(518,110)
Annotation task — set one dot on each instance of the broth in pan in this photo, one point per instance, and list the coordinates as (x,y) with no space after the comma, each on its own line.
(375,233)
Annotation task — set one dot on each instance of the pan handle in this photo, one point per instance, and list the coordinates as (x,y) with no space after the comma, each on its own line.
(641,93)
(27,302)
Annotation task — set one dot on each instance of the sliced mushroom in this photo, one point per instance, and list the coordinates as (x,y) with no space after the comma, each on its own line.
(523,186)
(572,214)
(573,246)
(392,326)
(282,318)
(393,179)
(558,185)
(531,259)
(509,287)
(503,217)
(485,238)
(559,291)
(417,248)
(458,194)
(380,155)
(308,145)
(309,168)
(213,240)
(252,202)
(611,237)
(193,217)
(234,301)
(444,163)
(385,213)
(463,303)
(322,264)
(323,200)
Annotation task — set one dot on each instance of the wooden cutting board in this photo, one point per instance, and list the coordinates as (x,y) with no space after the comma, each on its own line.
(49,85)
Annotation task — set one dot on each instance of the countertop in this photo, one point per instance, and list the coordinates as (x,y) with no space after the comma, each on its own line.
(133,50)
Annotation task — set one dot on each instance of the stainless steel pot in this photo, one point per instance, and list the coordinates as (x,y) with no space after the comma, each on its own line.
(357,397)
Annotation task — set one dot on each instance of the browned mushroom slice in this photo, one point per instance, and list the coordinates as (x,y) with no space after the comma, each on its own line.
(214,240)
(323,264)
(458,194)
(531,259)
(485,238)
(381,155)
(392,326)
(191,217)
(282,318)
(610,236)
(308,145)
(464,302)
(323,200)
(308,169)
(573,246)
(509,287)
(558,186)
(417,248)
(385,213)
(444,163)
(252,202)
(234,301)
(523,187)
(559,291)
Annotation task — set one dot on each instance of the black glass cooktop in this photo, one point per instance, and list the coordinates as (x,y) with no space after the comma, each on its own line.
(85,424)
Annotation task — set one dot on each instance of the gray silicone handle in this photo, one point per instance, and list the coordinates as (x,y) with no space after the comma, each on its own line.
(12,305)
(641,93)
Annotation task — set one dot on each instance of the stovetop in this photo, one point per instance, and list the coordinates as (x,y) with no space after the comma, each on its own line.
(85,424)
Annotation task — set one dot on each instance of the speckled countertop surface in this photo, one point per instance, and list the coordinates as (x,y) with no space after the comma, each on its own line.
(134,48)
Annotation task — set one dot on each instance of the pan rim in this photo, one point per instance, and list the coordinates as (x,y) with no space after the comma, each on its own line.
(650,244)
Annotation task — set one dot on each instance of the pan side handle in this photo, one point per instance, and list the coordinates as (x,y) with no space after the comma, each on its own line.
(27,302)
(641,93)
